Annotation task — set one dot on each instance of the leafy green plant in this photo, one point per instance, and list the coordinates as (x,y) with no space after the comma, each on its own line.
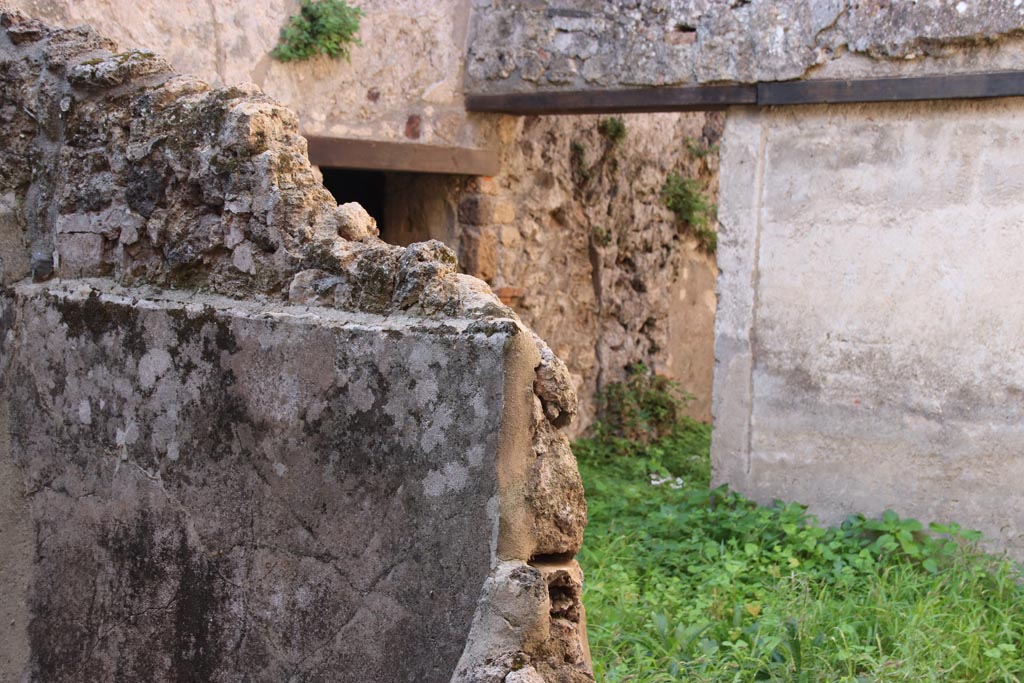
(613,129)
(322,27)
(687,583)
(644,408)
(685,198)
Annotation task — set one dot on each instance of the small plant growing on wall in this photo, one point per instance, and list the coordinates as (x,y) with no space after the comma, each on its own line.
(322,27)
(699,149)
(581,171)
(613,129)
(686,199)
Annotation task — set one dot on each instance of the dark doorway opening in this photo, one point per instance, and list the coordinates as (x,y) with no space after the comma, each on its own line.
(365,187)
(408,207)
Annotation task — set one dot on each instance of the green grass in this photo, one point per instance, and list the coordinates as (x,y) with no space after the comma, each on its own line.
(684,583)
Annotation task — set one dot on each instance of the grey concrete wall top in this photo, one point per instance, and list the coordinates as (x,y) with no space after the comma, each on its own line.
(206,489)
(868,339)
(578,44)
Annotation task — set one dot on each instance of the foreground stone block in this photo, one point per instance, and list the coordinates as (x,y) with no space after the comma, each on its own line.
(219,491)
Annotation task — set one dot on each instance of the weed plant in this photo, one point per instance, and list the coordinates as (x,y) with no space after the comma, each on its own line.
(685,198)
(581,170)
(687,583)
(699,149)
(613,129)
(322,27)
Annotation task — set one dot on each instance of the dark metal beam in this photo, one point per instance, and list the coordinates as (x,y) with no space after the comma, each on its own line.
(710,97)
(640,100)
(952,87)
(400,156)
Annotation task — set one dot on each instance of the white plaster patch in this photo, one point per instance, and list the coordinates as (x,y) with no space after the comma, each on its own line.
(448,480)
(436,433)
(280,469)
(315,409)
(152,366)
(127,436)
(475,456)
(525,675)
(234,237)
(361,394)
(85,411)
(479,405)
(426,390)
(961,7)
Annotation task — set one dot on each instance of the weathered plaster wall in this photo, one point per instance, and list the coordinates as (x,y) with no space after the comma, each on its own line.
(573,44)
(869,333)
(398,430)
(403,84)
(575,236)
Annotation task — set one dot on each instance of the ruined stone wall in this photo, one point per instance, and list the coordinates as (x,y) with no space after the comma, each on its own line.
(868,340)
(653,300)
(577,44)
(244,439)
(575,236)
(403,84)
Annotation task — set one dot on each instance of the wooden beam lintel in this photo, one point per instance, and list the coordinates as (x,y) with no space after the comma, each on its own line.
(417,158)
(712,97)
(379,155)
